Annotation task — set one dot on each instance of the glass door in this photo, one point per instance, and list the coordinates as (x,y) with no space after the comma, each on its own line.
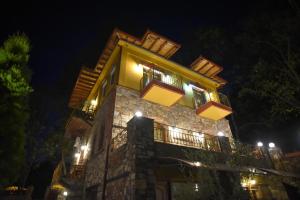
(199,97)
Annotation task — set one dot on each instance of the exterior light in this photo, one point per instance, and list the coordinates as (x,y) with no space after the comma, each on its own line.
(138,114)
(139,68)
(77,155)
(260,144)
(252,182)
(198,164)
(244,184)
(83,147)
(196,187)
(94,102)
(65,193)
(220,134)
(271,145)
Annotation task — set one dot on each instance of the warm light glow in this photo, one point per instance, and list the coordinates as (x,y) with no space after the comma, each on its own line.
(138,114)
(220,134)
(65,193)
(248,182)
(187,88)
(94,102)
(260,144)
(139,68)
(252,182)
(77,155)
(271,145)
(83,147)
(196,187)
(198,164)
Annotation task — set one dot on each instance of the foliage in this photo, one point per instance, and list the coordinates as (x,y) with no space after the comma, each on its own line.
(14,90)
(44,133)
(262,65)
(212,181)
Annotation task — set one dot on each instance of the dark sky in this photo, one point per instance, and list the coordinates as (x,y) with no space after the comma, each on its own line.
(68,34)
(67,31)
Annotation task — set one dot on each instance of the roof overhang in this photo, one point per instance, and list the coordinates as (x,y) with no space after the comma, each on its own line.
(84,84)
(208,68)
(87,78)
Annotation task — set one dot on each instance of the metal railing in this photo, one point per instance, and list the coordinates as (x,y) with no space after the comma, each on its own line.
(77,171)
(119,140)
(203,97)
(182,137)
(161,76)
(224,99)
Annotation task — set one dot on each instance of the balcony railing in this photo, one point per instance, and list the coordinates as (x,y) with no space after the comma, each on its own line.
(77,171)
(160,76)
(224,99)
(182,137)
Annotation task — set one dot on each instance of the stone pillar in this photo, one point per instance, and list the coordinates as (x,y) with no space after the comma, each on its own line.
(141,145)
(224,144)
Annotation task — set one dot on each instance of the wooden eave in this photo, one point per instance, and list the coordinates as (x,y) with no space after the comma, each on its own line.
(87,78)
(208,68)
(84,84)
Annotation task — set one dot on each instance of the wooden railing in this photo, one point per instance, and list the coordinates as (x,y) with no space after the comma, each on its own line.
(182,137)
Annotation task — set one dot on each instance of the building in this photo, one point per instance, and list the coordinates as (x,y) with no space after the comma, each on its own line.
(138,114)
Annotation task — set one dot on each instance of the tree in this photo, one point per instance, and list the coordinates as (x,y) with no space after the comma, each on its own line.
(262,66)
(14,89)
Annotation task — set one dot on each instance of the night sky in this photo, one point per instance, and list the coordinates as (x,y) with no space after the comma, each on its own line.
(66,35)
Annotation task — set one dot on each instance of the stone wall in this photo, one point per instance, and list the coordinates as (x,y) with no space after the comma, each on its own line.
(131,167)
(95,170)
(128,101)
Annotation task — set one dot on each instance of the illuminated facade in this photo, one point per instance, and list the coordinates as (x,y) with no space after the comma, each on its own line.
(137,109)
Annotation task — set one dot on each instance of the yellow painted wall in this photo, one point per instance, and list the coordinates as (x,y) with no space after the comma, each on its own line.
(128,72)
(105,75)
(131,74)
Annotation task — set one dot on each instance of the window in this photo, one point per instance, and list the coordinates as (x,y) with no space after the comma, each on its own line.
(101,136)
(112,75)
(103,89)
(199,97)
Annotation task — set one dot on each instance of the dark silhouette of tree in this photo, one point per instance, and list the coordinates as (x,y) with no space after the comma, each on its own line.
(14,89)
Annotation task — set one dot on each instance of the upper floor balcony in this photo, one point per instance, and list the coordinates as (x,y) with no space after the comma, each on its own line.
(211,105)
(160,87)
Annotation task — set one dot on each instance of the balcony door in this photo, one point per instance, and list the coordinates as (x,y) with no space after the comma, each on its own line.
(199,98)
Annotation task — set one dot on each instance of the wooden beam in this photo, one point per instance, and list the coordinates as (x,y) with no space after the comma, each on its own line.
(84,85)
(162,46)
(212,67)
(207,63)
(153,43)
(168,54)
(86,81)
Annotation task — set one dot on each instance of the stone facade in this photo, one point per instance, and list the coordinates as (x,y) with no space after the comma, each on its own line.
(100,141)
(128,101)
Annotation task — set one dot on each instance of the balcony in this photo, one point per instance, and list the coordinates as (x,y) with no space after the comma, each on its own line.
(208,107)
(157,85)
(182,137)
